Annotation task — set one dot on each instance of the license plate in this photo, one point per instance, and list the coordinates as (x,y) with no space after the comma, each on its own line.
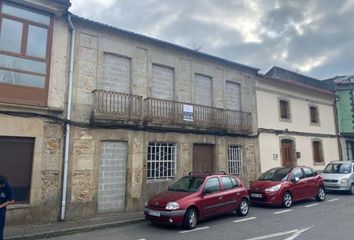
(154,213)
(256,195)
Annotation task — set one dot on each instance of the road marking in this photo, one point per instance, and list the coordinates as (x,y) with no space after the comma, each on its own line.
(289,210)
(295,233)
(334,199)
(195,229)
(311,205)
(246,219)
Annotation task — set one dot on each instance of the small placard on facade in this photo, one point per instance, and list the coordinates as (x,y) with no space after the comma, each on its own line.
(187,112)
(275,157)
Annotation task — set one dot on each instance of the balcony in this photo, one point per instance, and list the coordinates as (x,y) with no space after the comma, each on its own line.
(159,111)
(127,108)
(117,106)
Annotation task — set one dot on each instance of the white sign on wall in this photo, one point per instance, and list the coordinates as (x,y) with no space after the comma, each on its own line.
(187,112)
(275,157)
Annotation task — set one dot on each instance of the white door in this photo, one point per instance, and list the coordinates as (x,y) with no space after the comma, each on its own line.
(112,176)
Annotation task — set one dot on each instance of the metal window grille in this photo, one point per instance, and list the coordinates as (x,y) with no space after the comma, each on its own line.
(161,160)
(235,160)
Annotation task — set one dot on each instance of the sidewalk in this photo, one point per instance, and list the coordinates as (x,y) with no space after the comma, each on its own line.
(69,227)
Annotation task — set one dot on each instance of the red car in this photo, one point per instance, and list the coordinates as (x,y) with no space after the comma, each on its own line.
(196,197)
(285,185)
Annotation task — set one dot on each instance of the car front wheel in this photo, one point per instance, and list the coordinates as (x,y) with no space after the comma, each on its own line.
(243,208)
(287,200)
(351,190)
(321,194)
(190,219)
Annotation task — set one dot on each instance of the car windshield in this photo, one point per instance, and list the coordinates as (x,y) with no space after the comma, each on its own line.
(187,184)
(275,174)
(339,168)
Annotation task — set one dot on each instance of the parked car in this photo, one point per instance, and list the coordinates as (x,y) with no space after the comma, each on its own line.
(339,176)
(196,197)
(285,185)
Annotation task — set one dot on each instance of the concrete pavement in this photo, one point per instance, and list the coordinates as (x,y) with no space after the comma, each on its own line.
(39,231)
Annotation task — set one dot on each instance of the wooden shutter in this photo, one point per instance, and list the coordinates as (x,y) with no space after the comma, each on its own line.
(16,163)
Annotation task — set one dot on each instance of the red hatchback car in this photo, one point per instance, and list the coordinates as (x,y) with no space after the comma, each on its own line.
(284,185)
(196,197)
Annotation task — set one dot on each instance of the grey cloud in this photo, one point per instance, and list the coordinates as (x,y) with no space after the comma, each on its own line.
(281,28)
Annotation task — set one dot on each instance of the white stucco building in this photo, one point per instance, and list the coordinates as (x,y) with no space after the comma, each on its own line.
(296,121)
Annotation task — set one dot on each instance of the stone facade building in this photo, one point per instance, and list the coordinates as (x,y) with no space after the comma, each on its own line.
(149,112)
(33,71)
(95,119)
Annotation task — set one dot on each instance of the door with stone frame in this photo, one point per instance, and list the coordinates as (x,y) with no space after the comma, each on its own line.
(203,158)
(287,153)
(112,176)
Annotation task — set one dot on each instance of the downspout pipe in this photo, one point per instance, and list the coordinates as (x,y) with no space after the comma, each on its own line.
(68,117)
(336,122)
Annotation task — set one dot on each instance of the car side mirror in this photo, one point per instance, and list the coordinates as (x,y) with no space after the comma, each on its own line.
(315,173)
(296,179)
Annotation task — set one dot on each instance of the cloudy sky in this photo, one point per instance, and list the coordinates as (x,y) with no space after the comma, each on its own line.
(312,37)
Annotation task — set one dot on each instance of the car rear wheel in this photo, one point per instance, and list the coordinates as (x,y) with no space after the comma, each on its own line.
(321,194)
(190,219)
(243,208)
(287,200)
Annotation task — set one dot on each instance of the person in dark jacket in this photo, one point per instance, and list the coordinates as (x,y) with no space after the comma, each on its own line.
(6,198)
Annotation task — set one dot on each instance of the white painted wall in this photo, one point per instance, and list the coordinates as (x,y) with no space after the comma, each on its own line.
(268,94)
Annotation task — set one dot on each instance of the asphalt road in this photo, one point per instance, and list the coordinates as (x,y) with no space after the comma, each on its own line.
(307,220)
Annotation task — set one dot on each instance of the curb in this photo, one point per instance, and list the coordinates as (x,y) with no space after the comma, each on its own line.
(74,230)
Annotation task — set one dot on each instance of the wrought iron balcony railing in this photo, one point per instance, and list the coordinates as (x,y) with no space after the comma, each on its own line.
(127,107)
(117,106)
(173,112)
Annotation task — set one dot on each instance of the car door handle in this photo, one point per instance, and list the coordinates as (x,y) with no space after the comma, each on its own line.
(220,198)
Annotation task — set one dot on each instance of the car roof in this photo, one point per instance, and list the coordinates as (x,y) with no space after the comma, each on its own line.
(209,174)
(350,161)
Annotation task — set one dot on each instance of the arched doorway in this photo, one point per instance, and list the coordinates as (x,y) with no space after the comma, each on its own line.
(287,150)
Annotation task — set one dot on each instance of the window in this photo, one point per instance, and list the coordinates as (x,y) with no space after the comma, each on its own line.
(309,172)
(161,160)
(24,54)
(284,109)
(314,114)
(235,160)
(16,163)
(212,185)
(228,183)
(317,152)
(297,173)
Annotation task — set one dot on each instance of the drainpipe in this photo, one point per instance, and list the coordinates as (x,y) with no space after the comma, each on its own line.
(68,117)
(337,124)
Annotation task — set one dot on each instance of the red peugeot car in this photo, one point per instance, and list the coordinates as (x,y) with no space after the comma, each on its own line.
(196,197)
(285,185)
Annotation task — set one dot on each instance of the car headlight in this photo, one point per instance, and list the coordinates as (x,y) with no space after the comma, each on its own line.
(146,204)
(344,181)
(273,189)
(172,206)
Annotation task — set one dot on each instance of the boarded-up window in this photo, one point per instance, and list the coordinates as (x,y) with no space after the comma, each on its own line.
(16,157)
(162,82)
(317,152)
(284,109)
(233,96)
(314,114)
(203,90)
(116,73)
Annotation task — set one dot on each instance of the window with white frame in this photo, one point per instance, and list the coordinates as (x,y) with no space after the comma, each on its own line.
(235,160)
(161,160)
